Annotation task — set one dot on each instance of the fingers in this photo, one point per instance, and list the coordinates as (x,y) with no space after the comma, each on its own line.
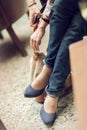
(34,18)
(35,43)
(36,37)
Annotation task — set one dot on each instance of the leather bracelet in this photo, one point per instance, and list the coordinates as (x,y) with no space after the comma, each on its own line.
(32,4)
(45,20)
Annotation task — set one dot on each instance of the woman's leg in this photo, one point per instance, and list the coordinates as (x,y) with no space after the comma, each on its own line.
(62,13)
(60,19)
(75,32)
(61,16)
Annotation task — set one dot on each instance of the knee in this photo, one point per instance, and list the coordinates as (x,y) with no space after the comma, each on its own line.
(79,24)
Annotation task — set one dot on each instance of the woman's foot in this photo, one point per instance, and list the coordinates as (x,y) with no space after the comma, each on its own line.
(48,111)
(37,87)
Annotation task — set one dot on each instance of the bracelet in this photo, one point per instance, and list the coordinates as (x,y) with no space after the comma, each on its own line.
(32,4)
(45,20)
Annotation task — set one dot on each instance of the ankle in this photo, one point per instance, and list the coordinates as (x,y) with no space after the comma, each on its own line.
(47,69)
(50,104)
(42,79)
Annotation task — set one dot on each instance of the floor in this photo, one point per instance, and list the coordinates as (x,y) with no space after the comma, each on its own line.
(17,112)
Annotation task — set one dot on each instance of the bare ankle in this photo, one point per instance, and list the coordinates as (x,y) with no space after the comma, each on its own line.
(47,69)
(50,104)
(42,79)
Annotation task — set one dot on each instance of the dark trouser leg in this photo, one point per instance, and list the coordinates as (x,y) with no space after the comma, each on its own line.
(62,14)
(75,32)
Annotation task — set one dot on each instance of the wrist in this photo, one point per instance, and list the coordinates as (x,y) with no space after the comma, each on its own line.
(41,29)
(42,24)
(45,19)
(31,4)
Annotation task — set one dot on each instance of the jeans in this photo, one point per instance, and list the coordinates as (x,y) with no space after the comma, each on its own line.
(66,26)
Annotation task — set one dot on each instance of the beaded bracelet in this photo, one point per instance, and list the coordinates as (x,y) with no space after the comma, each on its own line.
(32,4)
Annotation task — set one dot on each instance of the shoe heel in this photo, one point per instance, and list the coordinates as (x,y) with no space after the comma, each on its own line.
(41,98)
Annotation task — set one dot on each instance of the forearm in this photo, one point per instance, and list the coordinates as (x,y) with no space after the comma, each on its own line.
(42,24)
(48,8)
(46,14)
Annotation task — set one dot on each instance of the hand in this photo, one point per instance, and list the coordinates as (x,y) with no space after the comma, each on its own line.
(36,37)
(33,10)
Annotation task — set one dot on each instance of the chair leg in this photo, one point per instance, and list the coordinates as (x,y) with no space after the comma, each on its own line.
(1,36)
(16,41)
(2,127)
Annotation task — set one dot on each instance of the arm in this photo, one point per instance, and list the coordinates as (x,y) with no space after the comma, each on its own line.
(48,8)
(36,37)
(33,10)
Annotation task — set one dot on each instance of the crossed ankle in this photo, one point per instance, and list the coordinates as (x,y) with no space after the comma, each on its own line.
(42,79)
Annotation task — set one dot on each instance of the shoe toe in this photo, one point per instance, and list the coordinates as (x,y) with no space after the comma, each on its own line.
(47,118)
(30,92)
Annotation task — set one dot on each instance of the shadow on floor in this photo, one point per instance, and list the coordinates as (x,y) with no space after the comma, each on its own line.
(64,103)
(9,50)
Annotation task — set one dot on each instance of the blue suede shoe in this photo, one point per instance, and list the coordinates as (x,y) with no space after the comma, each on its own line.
(47,118)
(31,92)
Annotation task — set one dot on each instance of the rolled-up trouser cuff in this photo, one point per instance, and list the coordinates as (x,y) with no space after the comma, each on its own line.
(47,63)
(55,94)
